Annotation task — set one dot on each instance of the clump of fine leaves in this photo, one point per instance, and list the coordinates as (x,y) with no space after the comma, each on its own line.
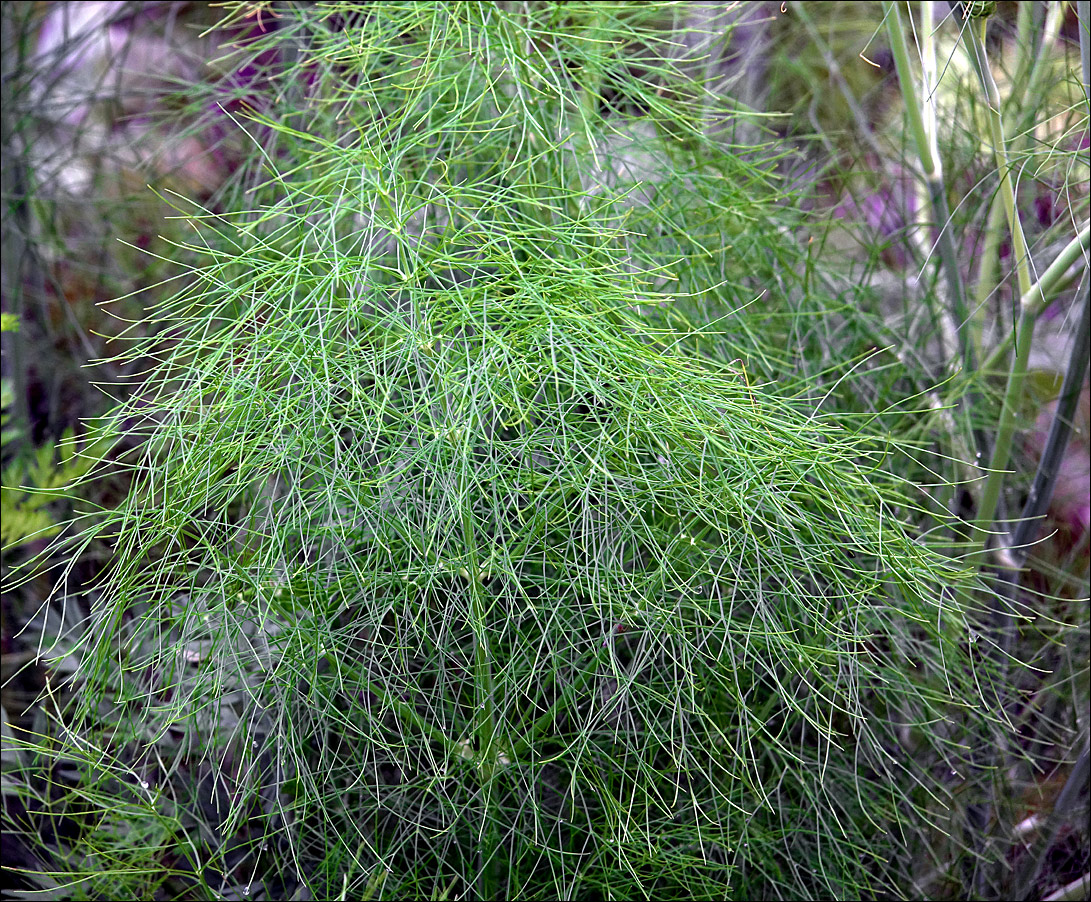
(456,563)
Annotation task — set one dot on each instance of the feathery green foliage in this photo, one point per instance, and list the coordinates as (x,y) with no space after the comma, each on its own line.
(493,533)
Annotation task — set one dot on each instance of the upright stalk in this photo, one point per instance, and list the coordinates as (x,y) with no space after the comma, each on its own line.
(1024,326)
(922,126)
(1034,52)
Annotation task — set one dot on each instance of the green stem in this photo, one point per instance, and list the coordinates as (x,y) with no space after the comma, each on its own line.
(1005,434)
(1034,59)
(987,279)
(1042,292)
(976,32)
(1024,328)
(908,85)
(485,700)
(922,124)
(409,713)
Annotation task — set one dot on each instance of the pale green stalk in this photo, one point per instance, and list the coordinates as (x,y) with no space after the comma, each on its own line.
(920,110)
(987,273)
(1031,68)
(1035,301)
(1024,328)
(1033,65)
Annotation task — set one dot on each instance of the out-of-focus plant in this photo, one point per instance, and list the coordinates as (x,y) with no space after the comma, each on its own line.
(28,487)
(32,486)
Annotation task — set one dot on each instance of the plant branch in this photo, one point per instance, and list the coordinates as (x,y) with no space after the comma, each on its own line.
(1044,290)
(1024,327)
(922,122)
